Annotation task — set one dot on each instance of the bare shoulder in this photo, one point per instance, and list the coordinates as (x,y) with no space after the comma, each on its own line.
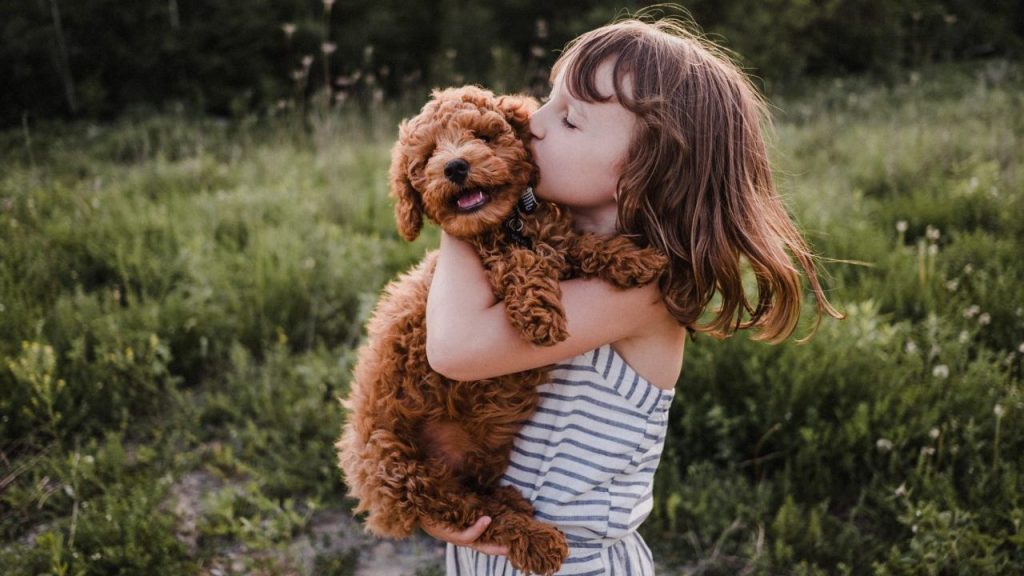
(655,350)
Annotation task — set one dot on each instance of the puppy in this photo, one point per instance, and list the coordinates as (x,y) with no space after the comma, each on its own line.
(417,446)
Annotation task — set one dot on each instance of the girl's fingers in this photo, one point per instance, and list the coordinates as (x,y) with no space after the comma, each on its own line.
(468,537)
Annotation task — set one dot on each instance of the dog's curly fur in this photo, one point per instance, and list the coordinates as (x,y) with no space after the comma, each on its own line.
(416,445)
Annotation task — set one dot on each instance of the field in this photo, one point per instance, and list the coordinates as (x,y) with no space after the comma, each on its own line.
(180,300)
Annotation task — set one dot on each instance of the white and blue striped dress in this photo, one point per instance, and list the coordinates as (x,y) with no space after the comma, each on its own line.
(586,461)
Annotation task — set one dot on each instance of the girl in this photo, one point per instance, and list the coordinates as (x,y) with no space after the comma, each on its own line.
(652,133)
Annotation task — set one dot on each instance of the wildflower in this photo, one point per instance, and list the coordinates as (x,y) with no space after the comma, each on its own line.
(927,451)
(289,29)
(932,233)
(537,52)
(952,285)
(328,47)
(968,269)
(1019,348)
(999,411)
(985,319)
(307,60)
(934,433)
(911,347)
(883,444)
(368,52)
(972,311)
(902,489)
(964,337)
(542,28)
(901,226)
(940,371)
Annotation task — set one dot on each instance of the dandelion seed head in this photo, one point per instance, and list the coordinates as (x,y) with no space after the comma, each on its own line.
(307,60)
(964,337)
(932,233)
(911,347)
(934,433)
(328,47)
(952,285)
(927,451)
(940,371)
(999,411)
(972,311)
(289,29)
(883,444)
(968,269)
(1019,348)
(901,226)
(985,319)
(901,490)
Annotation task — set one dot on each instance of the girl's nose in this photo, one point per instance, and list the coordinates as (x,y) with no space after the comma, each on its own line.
(535,126)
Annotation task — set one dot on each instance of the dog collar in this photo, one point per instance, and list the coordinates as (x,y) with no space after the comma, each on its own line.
(514,224)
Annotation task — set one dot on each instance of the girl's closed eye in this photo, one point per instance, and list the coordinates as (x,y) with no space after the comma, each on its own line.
(567,124)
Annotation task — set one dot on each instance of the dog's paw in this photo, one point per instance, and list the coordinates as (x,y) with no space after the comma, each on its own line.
(541,552)
(541,325)
(636,267)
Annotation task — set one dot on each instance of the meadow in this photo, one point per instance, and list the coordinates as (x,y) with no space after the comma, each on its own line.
(181,298)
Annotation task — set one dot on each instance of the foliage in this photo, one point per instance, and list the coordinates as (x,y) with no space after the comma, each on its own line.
(96,59)
(181,300)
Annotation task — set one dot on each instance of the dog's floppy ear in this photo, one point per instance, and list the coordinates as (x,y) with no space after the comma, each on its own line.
(517,110)
(408,206)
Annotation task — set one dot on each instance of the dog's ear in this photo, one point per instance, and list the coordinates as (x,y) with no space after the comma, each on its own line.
(517,110)
(408,206)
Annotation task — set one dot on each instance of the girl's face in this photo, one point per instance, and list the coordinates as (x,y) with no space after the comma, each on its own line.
(580,148)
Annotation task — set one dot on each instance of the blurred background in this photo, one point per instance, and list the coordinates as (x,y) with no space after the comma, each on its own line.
(98,58)
(195,225)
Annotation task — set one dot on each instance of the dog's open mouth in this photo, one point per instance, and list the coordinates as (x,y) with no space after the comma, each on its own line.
(471,199)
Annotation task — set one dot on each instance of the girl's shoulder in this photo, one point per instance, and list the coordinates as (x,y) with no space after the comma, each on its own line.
(656,352)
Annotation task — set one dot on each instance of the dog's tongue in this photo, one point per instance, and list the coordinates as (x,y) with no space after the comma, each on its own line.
(471,199)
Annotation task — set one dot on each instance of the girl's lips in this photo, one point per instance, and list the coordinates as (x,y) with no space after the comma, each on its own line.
(471,200)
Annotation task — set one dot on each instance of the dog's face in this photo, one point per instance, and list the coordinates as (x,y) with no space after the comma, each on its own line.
(463,161)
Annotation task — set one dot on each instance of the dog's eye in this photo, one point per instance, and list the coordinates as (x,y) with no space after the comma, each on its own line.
(486,139)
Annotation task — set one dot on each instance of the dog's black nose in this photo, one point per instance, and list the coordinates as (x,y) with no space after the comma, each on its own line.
(456,170)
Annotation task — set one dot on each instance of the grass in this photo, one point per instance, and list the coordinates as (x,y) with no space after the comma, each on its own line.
(181,300)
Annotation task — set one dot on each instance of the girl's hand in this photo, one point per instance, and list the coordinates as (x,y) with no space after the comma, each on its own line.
(466,538)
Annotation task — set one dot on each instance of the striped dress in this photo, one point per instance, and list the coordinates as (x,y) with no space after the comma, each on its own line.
(586,461)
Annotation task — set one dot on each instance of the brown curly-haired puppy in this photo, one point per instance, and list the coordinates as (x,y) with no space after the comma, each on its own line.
(416,445)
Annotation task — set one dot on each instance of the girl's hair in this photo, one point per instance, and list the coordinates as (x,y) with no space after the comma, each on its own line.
(697,182)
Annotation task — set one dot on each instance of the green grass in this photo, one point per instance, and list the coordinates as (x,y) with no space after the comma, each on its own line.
(180,301)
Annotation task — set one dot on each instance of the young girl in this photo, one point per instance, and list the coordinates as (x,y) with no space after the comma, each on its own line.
(651,133)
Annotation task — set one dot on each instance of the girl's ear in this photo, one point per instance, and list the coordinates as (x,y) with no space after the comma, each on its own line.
(517,110)
(408,206)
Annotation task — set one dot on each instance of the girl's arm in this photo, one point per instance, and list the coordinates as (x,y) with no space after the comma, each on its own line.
(470,338)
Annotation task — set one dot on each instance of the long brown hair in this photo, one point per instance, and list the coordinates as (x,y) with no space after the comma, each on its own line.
(697,182)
